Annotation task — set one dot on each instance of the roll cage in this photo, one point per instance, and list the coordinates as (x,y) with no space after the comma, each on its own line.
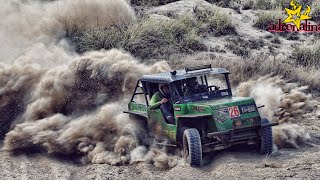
(211,92)
(148,84)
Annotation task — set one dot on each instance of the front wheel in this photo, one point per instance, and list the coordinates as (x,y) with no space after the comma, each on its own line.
(266,138)
(192,149)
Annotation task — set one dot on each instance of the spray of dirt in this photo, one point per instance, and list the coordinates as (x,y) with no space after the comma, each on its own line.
(285,103)
(290,135)
(78,108)
(16,82)
(62,102)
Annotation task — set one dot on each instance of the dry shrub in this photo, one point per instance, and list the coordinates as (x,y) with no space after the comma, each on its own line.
(247,4)
(213,21)
(242,47)
(253,4)
(148,38)
(307,55)
(81,15)
(315,11)
(223,3)
(150,2)
(163,37)
(264,4)
(267,17)
(158,36)
(276,40)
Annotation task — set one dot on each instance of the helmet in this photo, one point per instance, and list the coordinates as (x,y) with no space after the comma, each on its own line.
(161,86)
(191,81)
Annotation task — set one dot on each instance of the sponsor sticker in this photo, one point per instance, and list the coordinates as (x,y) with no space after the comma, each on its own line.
(198,108)
(234,111)
(221,114)
(248,108)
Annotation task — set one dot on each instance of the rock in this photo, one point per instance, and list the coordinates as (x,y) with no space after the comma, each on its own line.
(179,7)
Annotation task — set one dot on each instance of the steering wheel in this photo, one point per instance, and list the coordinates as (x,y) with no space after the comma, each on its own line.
(215,87)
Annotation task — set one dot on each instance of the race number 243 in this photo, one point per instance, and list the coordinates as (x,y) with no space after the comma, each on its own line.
(234,111)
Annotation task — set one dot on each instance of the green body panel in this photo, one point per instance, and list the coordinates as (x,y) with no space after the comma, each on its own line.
(156,121)
(158,125)
(136,107)
(218,111)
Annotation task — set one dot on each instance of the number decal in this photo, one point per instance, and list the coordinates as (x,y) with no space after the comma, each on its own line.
(234,111)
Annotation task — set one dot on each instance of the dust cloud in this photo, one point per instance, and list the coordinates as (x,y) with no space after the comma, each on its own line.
(26,24)
(78,108)
(61,101)
(285,103)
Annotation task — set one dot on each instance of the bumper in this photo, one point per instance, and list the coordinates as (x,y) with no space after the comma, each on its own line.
(232,131)
(234,136)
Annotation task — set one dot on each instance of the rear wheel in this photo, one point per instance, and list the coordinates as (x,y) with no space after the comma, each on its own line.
(140,127)
(266,138)
(192,147)
(132,132)
(128,140)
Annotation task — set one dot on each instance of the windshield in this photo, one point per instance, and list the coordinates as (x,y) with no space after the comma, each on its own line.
(200,88)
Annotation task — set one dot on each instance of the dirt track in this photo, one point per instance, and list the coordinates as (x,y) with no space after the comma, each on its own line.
(236,163)
(303,163)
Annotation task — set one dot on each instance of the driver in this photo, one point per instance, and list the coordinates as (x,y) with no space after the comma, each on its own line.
(193,87)
(162,99)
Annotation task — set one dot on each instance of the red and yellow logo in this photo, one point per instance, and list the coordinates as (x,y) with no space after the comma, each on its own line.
(295,15)
(297,20)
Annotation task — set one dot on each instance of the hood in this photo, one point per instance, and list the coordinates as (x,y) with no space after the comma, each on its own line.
(236,106)
(227,111)
(227,101)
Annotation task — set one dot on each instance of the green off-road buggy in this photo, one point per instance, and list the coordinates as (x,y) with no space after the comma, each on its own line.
(208,120)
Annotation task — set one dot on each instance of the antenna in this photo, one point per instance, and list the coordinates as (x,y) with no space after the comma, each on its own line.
(195,68)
